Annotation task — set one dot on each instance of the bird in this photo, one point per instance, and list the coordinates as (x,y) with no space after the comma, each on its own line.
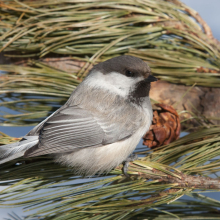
(101,123)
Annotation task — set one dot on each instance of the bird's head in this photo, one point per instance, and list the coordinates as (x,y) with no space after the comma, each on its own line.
(127,76)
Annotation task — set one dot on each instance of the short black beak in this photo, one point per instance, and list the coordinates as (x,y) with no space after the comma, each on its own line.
(151,78)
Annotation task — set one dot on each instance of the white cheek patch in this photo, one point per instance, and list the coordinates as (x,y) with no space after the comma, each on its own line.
(113,82)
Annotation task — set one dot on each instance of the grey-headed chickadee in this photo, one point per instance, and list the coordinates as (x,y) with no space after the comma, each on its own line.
(101,123)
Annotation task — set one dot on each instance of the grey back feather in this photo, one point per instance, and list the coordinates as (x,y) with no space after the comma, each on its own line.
(87,122)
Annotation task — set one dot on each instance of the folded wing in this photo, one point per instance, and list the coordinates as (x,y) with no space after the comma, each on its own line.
(73,128)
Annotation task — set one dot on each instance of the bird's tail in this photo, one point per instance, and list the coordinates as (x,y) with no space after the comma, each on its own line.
(12,151)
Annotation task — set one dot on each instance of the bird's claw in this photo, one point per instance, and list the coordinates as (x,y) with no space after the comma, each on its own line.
(126,164)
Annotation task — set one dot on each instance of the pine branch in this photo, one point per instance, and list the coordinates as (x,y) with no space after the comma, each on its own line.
(161,33)
(182,181)
(153,183)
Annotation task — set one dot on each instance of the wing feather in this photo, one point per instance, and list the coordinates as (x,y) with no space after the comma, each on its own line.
(74,127)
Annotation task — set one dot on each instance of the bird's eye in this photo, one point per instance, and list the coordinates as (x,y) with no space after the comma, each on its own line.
(128,73)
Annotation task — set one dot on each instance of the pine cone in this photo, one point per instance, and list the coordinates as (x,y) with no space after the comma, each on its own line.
(165,127)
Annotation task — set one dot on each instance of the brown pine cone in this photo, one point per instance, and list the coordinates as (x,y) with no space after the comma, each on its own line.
(165,127)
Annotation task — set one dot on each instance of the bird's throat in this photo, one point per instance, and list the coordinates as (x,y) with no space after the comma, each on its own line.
(140,92)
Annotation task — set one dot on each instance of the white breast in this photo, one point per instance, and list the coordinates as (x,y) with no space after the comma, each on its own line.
(102,159)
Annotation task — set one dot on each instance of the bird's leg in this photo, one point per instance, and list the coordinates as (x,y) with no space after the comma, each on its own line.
(131,158)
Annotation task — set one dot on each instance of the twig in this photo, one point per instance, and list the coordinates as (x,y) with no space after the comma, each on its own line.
(195,15)
(198,18)
(187,181)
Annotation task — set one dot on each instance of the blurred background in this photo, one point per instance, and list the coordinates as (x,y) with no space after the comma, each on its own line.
(209,11)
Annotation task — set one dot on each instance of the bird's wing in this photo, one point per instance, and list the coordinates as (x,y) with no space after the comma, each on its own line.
(73,128)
